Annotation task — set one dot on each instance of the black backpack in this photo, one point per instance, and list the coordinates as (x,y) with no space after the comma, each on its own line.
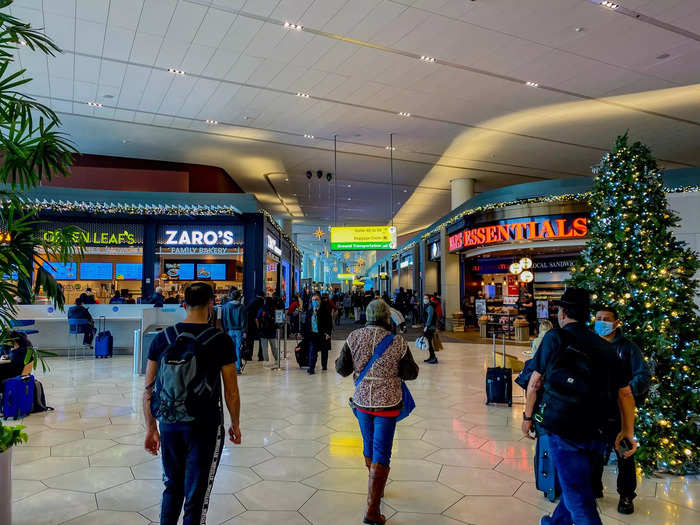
(182,391)
(268,321)
(575,402)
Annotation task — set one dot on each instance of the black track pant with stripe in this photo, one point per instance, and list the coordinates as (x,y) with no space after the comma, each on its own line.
(190,456)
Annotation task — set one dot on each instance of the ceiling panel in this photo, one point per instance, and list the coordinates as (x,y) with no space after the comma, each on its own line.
(118,42)
(156,16)
(125,14)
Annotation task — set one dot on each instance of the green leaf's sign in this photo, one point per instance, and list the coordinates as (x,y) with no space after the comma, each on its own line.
(96,234)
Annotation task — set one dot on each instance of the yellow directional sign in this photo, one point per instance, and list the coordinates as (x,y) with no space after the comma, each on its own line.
(363,238)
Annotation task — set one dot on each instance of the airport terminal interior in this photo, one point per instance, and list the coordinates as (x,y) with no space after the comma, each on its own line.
(328,262)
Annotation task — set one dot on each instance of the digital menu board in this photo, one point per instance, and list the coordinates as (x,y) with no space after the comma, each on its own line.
(211,272)
(62,271)
(128,271)
(96,271)
(14,276)
(180,271)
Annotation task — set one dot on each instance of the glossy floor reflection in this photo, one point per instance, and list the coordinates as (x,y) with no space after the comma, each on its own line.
(455,460)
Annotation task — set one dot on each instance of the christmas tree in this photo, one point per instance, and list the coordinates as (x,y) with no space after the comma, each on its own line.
(634,264)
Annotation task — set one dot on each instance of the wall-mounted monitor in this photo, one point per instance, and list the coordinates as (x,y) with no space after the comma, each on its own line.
(180,271)
(128,271)
(96,271)
(62,271)
(211,272)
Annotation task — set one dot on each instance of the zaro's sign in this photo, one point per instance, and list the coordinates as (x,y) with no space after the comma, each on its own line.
(208,236)
(530,229)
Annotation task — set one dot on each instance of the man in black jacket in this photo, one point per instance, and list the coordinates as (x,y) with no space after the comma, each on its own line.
(80,312)
(608,326)
(318,327)
(251,314)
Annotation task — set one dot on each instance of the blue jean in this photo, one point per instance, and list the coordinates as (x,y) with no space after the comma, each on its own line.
(237,337)
(574,463)
(377,436)
(190,455)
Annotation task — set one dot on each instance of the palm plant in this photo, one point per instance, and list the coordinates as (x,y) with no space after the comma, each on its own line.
(31,150)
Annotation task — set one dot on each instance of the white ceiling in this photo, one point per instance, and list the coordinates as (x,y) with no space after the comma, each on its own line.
(472,114)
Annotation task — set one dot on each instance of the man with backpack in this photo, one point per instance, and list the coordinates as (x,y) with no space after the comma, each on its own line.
(583,384)
(233,320)
(183,393)
(608,326)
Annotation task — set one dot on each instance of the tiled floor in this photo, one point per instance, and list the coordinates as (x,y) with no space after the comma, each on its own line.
(455,460)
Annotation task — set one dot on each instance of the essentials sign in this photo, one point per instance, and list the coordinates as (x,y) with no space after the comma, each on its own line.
(539,228)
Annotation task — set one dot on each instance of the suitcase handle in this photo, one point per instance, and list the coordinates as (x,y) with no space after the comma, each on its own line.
(101,322)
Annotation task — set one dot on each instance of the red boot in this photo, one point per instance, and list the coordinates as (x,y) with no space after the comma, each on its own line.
(378,475)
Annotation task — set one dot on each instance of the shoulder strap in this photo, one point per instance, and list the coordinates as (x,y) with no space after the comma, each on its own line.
(205,337)
(169,331)
(378,352)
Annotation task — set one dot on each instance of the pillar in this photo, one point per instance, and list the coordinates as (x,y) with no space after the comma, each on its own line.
(461,190)
(449,279)
(149,259)
(254,256)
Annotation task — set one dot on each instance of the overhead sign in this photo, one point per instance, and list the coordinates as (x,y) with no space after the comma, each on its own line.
(363,238)
(95,234)
(535,228)
(272,245)
(207,235)
(346,276)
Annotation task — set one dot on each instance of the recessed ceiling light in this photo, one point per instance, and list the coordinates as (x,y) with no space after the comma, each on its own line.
(392,148)
(610,5)
(405,191)
(404,114)
(210,121)
(22,43)
(303,95)
(286,180)
(307,136)
(349,198)
(176,71)
(94,104)
(532,84)
(124,141)
(349,185)
(294,194)
(108,96)
(297,27)
(425,58)
(662,56)
(578,29)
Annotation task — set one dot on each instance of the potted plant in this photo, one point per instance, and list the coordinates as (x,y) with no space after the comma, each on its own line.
(31,150)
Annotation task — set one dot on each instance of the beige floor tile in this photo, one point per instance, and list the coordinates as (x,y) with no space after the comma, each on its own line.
(510,449)
(337,508)
(497,432)
(489,510)
(109,517)
(413,470)
(133,496)
(244,456)
(223,507)
(149,470)
(451,439)
(410,518)
(51,507)
(338,456)
(529,494)
(82,447)
(120,456)
(289,469)
(340,480)
(304,431)
(132,439)
(45,468)
(464,457)
(521,469)
(50,438)
(80,424)
(412,449)
(270,425)
(683,494)
(230,480)
(428,497)
(22,488)
(266,517)
(114,431)
(405,432)
(478,482)
(651,511)
(275,495)
(296,448)
(93,479)
(255,438)
(25,454)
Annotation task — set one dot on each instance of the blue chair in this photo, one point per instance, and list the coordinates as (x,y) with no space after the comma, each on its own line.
(76,330)
(25,322)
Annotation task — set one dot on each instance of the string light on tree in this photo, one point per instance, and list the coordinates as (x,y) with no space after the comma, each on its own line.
(634,263)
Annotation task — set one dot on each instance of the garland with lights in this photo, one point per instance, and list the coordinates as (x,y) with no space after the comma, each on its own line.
(634,263)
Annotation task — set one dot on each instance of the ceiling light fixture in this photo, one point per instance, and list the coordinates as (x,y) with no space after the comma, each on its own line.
(307,136)
(428,59)
(22,43)
(209,121)
(404,114)
(94,104)
(405,191)
(349,185)
(286,179)
(610,5)
(289,25)
(246,117)
(532,84)
(303,95)
(108,96)
(662,56)
(176,71)
(390,148)
(349,198)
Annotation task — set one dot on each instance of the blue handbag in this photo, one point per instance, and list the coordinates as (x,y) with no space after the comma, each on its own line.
(408,403)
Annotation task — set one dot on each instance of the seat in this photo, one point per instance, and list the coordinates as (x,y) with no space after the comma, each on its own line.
(76,330)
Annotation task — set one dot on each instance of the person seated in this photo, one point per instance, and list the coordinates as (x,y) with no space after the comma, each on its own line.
(117,299)
(80,312)
(171,299)
(16,354)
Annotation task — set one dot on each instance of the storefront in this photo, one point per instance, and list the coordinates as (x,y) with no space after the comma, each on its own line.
(514,261)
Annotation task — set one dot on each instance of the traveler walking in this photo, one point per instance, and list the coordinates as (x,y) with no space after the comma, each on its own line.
(378,397)
(583,383)
(318,327)
(609,327)
(233,321)
(430,327)
(251,322)
(183,393)
(267,328)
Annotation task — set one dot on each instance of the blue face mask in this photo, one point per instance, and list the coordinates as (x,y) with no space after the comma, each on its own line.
(603,328)
(315,304)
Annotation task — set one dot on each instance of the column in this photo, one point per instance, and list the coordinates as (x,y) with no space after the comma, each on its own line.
(254,256)
(149,259)
(461,190)
(449,279)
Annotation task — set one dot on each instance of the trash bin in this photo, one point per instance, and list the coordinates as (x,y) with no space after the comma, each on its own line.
(148,336)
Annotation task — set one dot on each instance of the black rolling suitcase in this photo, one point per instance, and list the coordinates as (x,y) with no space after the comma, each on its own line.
(499,380)
(301,353)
